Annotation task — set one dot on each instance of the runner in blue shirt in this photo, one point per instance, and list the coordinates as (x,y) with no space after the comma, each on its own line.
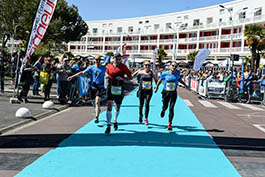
(97,74)
(169,93)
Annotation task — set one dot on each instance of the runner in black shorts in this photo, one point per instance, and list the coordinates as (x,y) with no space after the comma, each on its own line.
(97,74)
(145,91)
(169,93)
(115,74)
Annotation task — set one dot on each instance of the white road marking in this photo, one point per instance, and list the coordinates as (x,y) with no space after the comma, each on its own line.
(207,104)
(260,127)
(187,102)
(251,107)
(228,105)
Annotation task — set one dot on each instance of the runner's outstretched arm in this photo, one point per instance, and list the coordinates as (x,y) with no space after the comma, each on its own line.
(182,82)
(76,75)
(157,85)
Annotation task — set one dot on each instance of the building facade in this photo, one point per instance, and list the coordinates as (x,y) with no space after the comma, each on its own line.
(177,33)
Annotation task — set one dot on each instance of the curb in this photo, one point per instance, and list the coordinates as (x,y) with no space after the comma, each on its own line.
(36,118)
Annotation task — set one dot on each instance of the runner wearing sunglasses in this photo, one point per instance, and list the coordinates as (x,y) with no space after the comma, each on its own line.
(169,93)
(145,91)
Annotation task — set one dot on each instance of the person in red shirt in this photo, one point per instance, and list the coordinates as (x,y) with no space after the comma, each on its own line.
(115,74)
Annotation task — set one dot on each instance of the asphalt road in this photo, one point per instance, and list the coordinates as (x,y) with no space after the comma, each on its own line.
(237,129)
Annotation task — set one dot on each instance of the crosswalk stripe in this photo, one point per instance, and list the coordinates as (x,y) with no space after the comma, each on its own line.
(228,105)
(207,104)
(251,107)
(187,102)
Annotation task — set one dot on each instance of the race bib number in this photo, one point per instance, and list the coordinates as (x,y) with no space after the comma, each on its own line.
(147,85)
(116,90)
(171,86)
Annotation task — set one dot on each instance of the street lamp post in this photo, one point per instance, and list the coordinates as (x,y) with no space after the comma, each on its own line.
(174,43)
(229,91)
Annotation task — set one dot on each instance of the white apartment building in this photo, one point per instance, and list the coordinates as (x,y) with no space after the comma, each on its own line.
(179,33)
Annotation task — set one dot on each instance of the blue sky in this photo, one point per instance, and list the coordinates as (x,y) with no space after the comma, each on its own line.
(116,9)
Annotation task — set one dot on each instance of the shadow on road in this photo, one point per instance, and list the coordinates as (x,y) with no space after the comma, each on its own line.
(131,138)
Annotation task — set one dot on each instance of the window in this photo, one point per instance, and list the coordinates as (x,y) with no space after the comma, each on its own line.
(242,15)
(209,20)
(168,25)
(230,9)
(130,29)
(222,11)
(179,18)
(95,30)
(119,29)
(230,19)
(103,31)
(110,24)
(258,11)
(104,25)
(196,22)
(139,29)
(156,26)
(140,22)
(147,21)
(186,17)
(220,20)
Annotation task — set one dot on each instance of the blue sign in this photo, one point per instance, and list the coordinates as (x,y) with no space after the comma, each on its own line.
(83,83)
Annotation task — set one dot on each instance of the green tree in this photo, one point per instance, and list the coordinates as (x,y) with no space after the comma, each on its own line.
(256,42)
(161,55)
(66,24)
(191,56)
(110,54)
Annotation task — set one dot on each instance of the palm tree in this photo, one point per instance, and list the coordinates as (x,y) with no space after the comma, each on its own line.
(161,55)
(111,54)
(191,56)
(256,42)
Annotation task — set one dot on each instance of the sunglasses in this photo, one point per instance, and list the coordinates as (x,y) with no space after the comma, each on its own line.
(174,65)
(147,65)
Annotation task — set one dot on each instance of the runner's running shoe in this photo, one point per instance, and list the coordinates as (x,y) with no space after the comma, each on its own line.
(140,120)
(146,121)
(107,131)
(169,127)
(96,120)
(162,114)
(115,126)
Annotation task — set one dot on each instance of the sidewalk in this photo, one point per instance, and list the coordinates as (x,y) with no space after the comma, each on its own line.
(8,120)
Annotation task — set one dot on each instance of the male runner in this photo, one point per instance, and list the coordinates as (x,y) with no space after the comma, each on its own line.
(115,74)
(97,74)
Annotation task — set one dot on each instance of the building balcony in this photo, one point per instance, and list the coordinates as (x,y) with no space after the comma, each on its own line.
(131,51)
(78,50)
(78,43)
(227,50)
(95,42)
(146,51)
(95,51)
(235,36)
(131,42)
(208,38)
(167,40)
(113,42)
(148,41)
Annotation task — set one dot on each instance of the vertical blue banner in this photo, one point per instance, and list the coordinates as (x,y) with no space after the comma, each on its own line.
(83,83)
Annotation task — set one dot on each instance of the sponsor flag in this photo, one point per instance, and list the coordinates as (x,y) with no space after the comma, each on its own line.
(200,58)
(42,20)
(106,59)
(40,25)
(154,57)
